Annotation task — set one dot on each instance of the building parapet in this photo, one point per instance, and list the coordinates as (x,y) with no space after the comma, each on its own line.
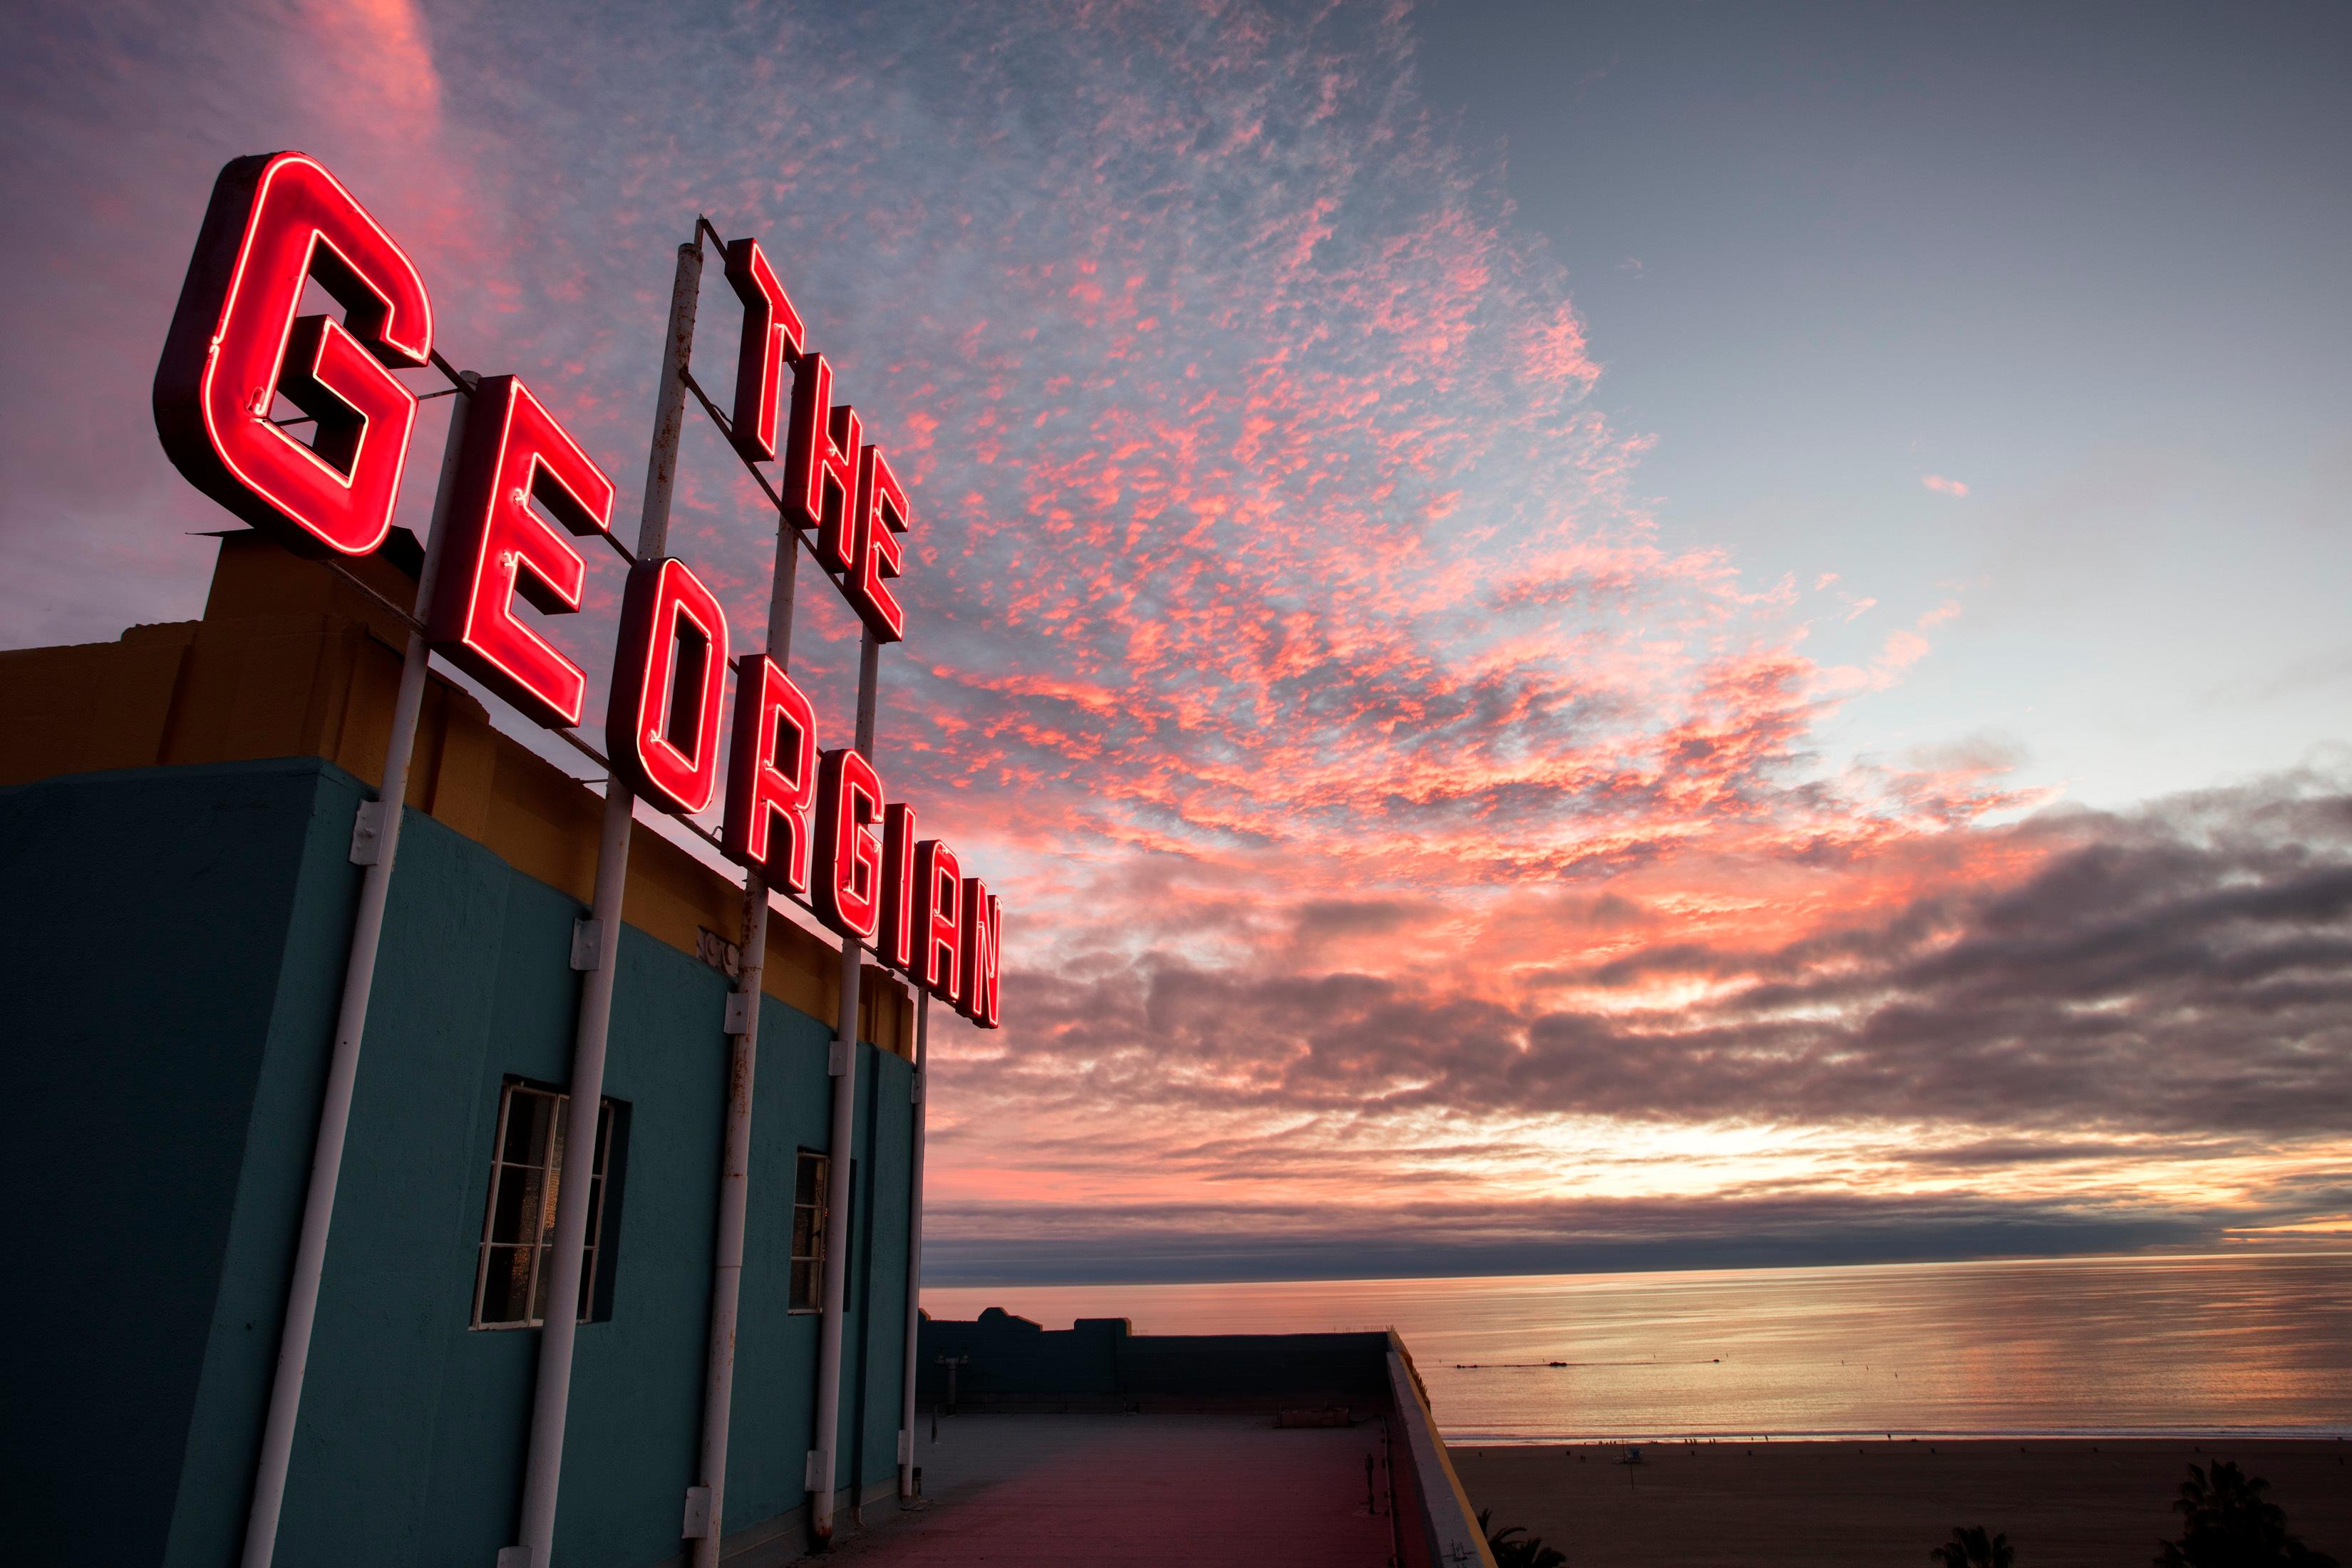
(295,658)
(1004,1364)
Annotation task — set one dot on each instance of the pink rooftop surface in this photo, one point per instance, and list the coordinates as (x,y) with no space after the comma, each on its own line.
(1071,1490)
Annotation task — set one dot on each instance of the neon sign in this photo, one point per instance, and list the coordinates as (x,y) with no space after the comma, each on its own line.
(814,824)
(771,780)
(514,454)
(849,857)
(938,917)
(896,940)
(874,552)
(771,340)
(662,729)
(975,995)
(236,344)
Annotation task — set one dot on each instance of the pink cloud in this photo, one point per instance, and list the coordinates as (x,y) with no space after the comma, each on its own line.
(1290,639)
(389,73)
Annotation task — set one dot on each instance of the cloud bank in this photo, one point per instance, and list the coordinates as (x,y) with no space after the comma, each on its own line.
(1420,855)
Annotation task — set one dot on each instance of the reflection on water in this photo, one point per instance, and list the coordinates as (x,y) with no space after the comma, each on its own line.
(2099,1345)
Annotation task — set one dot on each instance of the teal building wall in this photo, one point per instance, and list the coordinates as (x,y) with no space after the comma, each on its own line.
(174,941)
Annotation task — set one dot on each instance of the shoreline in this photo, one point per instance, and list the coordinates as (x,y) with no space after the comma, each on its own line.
(2076,1500)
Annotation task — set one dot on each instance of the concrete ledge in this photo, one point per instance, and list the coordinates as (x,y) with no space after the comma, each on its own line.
(1449,1526)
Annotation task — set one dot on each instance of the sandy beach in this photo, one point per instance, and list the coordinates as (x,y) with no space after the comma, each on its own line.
(2061,1503)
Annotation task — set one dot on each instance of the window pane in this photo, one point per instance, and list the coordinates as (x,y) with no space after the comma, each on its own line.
(525,1192)
(549,1191)
(808,1233)
(528,1114)
(514,1207)
(506,1283)
(559,1118)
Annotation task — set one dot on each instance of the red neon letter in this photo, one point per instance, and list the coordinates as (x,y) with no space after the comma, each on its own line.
(661,728)
(881,518)
(771,340)
(897,942)
(770,776)
(821,461)
(939,917)
(849,870)
(276,222)
(976,997)
(516,453)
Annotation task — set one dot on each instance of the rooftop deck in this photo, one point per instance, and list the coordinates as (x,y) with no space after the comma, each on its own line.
(1137,1488)
(1095,1443)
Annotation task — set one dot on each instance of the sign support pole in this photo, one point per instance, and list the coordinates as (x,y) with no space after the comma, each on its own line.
(375,840)
(824,1460)
(705,1505)
(601,936)
(920,1093)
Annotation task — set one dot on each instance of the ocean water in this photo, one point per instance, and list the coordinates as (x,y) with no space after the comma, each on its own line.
(2103,1346)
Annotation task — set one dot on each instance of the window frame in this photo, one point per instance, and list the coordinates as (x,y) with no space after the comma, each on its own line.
(606,1173)
(820,1213)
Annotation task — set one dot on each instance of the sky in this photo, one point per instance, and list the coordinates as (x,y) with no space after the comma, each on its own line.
(1600,637)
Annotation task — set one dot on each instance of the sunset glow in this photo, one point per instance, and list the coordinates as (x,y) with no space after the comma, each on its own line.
(1424,837)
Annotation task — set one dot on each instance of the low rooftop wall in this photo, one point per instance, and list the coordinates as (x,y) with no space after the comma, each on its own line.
(1007,1364)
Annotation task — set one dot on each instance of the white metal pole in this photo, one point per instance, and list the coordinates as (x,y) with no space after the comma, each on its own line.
(920,1093)
(552,1396)
(705,1515)
(375,839)
(824,1461)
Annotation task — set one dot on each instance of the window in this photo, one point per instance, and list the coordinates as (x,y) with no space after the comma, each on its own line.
(527,1164)
(808,1233)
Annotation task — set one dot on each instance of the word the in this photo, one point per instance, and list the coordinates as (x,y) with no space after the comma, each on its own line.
(811,822)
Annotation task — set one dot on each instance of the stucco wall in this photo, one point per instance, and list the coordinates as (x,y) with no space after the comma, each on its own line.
(171,994)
